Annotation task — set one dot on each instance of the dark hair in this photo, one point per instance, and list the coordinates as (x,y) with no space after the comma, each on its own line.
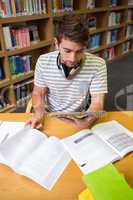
(71,27)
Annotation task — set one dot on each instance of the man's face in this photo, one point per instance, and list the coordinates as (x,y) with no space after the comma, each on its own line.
(70,52)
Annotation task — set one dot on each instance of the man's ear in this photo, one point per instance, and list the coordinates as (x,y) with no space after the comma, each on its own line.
(56,43)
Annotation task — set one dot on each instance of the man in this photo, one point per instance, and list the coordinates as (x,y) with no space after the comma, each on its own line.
(69,79)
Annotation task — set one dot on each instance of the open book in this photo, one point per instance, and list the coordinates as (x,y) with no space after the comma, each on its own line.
(77,115)
(43,159)
(32,154)
(104,143)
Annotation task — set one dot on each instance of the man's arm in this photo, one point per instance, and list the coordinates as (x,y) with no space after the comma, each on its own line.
(38,103)
(97,104)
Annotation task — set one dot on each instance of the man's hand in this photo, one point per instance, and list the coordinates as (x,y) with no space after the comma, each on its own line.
(35,121)
(80,123)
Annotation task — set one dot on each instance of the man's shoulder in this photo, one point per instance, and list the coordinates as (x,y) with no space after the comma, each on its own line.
(92,58)
(49,56)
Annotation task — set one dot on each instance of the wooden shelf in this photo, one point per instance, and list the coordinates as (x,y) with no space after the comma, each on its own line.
(24,18)
(21,77)
(30,48)
(82,11)
(115,43)
(4,83)
(9,108)
(115,27)
(97,30)
(97,49)
(117,8)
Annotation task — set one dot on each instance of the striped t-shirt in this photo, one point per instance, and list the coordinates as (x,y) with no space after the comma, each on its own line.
(70,95)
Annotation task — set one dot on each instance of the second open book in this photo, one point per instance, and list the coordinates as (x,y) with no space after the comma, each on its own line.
(43,159)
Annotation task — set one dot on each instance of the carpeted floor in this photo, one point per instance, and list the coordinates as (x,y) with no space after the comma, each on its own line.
(120,84)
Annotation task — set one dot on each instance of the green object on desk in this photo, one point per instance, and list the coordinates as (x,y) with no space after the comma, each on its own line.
(107,184)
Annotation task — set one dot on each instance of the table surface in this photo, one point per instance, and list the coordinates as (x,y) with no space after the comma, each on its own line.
(70,184)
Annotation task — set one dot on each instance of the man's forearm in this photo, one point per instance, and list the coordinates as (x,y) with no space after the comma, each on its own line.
(38,103)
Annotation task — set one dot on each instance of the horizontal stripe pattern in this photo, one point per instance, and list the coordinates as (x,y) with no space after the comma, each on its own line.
(70,95)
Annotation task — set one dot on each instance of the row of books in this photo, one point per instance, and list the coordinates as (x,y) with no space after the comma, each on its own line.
(126,46)
(130,2)
(108,54)
(112,36)
(20,64)
(59,6)
(94,40)
(20,36)
(115,18)
(4,98)
(129,31)
(130,15)
(1,73)
(23,92)
(9,8)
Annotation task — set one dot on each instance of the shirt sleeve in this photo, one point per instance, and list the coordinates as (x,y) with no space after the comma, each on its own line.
(99,81)
(39,77)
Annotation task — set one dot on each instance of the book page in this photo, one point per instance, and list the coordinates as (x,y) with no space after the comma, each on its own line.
(8,129)
(116,135)
(89,151)
(46,163)
(15,149)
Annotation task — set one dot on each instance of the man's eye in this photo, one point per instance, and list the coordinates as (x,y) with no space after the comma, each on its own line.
(67,51)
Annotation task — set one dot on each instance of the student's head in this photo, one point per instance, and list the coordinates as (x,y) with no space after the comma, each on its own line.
(71,40)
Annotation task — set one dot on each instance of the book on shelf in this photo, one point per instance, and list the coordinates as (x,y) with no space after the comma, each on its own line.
(91,4)
(1,73)
(43,159)
(130,2)
(115,18)
(113,3)
(92,23)
(107,183)
(94,41)
(126,46)
(104,143)
(108,54)
(76,115)
(129,31)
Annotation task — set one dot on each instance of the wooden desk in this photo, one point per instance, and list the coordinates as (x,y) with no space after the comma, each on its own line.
(69,185)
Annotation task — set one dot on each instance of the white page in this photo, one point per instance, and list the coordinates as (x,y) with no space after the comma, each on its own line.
(19,146)
(8,129)
(116,135)
(89,151)
(46,163)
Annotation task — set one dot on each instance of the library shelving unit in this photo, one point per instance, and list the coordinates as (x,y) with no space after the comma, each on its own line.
(15,86)
(110,24)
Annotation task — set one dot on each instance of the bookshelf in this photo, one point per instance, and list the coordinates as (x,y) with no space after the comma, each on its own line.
(110,24)
(26,31)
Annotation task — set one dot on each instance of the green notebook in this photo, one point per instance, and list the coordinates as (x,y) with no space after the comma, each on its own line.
(107,184)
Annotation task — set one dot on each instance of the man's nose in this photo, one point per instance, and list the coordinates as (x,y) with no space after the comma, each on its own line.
(73,57)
